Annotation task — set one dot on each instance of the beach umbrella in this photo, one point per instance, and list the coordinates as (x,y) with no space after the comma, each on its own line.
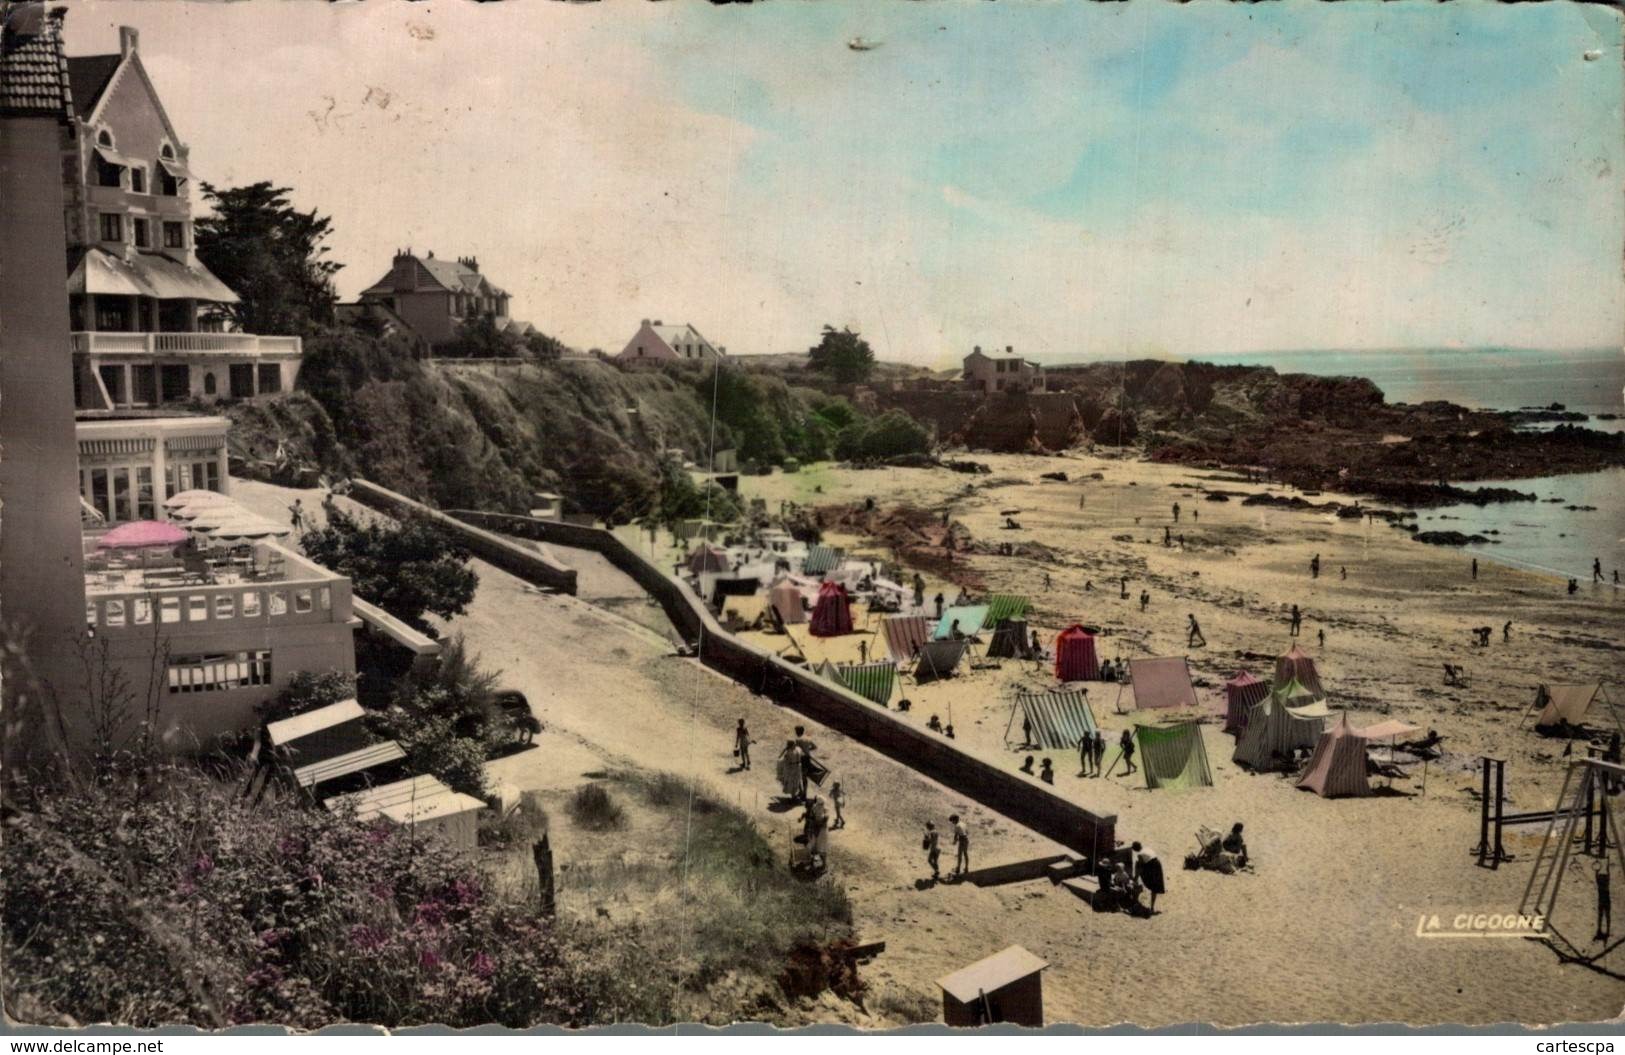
(248,528)
(217,515)
(142,534)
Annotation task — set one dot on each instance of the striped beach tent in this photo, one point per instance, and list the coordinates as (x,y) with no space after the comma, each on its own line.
(820,560)
(788,600)
(872,681)
(1002,606)
(938,659)
(1240,693)
(1275,732)
(1337,768)
(1058,719)
(969,617)
(1173,756)
(1296,665)
(905,634)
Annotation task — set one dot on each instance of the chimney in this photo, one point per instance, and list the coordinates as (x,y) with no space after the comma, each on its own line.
(1009,349)
(645,322)
(474,264)
(128,40)
(976,350)
(659,323)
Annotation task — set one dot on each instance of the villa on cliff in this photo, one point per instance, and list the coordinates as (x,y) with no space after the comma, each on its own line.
(1006,373)
(655,342)
(434,297)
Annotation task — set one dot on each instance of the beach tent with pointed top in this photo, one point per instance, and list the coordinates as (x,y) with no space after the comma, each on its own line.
(905,634)
(1295,665)
(1075,658)
(832,615)
(1002,606)
(1174,756)
(1275,732)
(1240,694)
(1337,768)
(872,681)
(938,659)
(1010,640)
(708,558)
(1570,703)
(788,600)
(820,560)
(1160,682)
(969,617)
(827,670)
(1058,719)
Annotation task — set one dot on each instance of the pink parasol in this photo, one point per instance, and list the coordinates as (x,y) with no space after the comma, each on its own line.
(142,534)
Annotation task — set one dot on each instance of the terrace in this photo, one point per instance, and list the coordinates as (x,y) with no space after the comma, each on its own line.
(259,584)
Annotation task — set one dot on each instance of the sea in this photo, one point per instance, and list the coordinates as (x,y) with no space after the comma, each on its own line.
(1543,535)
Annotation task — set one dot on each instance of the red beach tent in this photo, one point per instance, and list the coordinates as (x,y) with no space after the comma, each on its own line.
(832,615)
(1075,658)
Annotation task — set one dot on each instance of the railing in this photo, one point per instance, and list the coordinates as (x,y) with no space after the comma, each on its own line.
(205,608)
(186,344)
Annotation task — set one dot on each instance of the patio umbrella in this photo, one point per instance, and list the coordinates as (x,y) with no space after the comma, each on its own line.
(195,497)
(193,510)
(254,527)
(142,534)
(214,516)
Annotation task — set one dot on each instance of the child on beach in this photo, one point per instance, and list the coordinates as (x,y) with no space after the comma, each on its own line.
(837,796)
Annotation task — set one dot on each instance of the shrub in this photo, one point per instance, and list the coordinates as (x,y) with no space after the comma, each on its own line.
(592,807)
(887,436)
(308,691)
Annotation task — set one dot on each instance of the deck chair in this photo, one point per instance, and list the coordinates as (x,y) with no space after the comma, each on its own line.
(1455,676)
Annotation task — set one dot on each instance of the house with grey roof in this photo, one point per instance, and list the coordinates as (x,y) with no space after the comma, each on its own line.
(656,342)
(435,296)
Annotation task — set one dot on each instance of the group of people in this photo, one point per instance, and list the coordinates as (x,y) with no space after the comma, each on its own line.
(797,771)
(932,845)
(1123,883)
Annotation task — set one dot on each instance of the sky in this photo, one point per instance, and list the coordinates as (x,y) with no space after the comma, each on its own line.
(1076,180)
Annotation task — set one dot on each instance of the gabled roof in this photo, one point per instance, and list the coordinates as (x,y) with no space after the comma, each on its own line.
(89,76)
(453,276)
(992,974)
(33,73)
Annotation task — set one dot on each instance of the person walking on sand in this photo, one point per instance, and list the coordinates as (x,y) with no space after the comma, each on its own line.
(932,845)
(1145,599)
(1081,496)
(1176,512)
(1506,632)
(296,515)
(1475,569)
(1125,747)
(837,797)
(961,846)
(1167,536)
(1148,872)
(792,780)
(1343,572)
(939,600)
(1086,751)
(742,744)
(1100,751)
(1123,589)
(1314,566)
(1026,731)
(1320,636)
(863,651)
(1193,633)
(1596,562)
(1196,514)
(919,590)
(1046,582)
(1297,621)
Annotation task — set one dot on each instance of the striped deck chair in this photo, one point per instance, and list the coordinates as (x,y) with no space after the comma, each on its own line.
(1059,719)
(820,560)
(872,681)
(1002,606)
(905,634)
(938,659)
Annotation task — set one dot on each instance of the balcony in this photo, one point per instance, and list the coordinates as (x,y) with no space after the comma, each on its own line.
(208,345)
(254,587)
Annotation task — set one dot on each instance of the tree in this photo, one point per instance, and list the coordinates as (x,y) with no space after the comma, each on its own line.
(843,355)
(408,569)
(271,255)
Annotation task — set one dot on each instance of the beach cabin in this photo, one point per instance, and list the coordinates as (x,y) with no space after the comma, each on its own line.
(1005,987)
(545,505)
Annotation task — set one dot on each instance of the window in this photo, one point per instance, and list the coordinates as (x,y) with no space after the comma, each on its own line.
(174,235)
(121,495)
(138,180)
(325,597)
(270,377)
(302,601)
(176,381)
(112,314)
(242,380)
(108,174)
(224,606)
(251,604)
(115,613)
(168,184)
(144,383)
(169,609)
(98,492)
(208,383)
(197,608)
(220,671)
(278,602)
(141,611)
(112,227)
(143,232)
(143,493)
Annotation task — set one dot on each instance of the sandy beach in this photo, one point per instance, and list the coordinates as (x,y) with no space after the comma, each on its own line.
(1331,913)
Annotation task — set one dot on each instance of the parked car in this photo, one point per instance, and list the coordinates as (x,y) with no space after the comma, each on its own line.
(521,720)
